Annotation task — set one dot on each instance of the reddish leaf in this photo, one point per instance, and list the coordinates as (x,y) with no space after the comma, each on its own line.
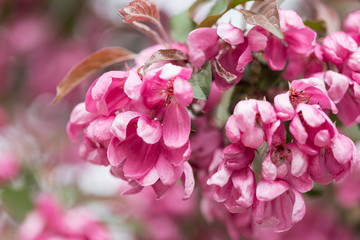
(165,55)
(264,14)
(140,10)
(98,60)
(227,76)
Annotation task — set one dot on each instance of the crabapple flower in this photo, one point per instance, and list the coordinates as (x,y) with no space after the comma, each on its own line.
(277,205)
(285,160)
(298,38)
(202,45)
(351,25)
(248,121)
(311,128)
(338,46)
(335,161)
(238,52)
(49,221)
(113,91)
(96,130)
(234,180)
(137,152)
(167,91)
(308,91)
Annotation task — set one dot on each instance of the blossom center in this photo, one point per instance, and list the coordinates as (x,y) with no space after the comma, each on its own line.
(297,97)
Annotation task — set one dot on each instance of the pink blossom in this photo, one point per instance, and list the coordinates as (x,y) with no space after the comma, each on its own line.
(349,110)
(308,91)
(351,26)
(336,161)
(285,160)
(247,123)
(113,91)
(96,130)
(297,36)
(234,180)
(137,152)
(49,221)
(300,40)
(238,52)
(311,128)
(167,91)
(319,222)
(338,46)
(202,45)
(277,205)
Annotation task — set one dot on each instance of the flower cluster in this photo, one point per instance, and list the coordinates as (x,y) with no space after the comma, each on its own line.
(139,126)
(139,121)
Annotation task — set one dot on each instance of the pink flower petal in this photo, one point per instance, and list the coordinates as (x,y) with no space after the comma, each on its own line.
(168,174)
(297,130)
(221,177)
(253,137)
(269,169)
(188,180)
(244,181)
(244,59)
(230,34)
(266,111)
(342,149)
(183,91)
(133,86)
(283,107)
(299,161)
(322,138)
(176,126)
(275,54)
(99,129)
(170,71)
(311,114)
(121,122)
(257,40)
(233,129)
(267,191)
(149,130)
(116,154)
(338,84)
(299,208)
(150,178)
(141,158)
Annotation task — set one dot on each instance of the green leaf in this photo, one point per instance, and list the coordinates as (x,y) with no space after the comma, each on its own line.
(201,82)
(317,26)
(17,202)
(219,7)
(181,25)
(217,13)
